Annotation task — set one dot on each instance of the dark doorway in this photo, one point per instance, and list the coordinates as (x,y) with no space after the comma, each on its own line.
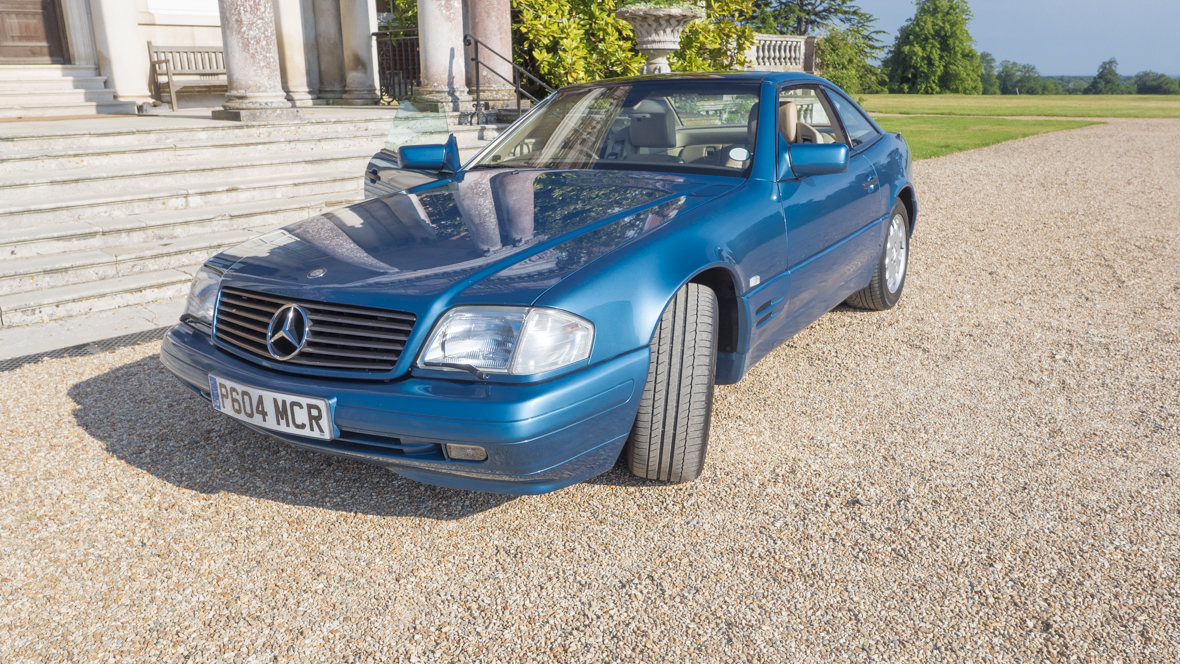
(30,33)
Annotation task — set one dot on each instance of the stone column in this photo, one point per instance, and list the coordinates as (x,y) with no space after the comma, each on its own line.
(122,57)
(292,51)
(810,62)
(311,50)
(443,57)
(79,32)
(329,48)
(358,19)
(255,88)
(491,23)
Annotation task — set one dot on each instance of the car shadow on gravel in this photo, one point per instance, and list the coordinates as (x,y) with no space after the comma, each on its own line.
(148,420)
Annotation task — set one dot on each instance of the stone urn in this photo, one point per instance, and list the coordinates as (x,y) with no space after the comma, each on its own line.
(657,31)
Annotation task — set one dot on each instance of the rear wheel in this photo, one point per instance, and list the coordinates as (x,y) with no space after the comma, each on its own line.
(671,432)
(885,288)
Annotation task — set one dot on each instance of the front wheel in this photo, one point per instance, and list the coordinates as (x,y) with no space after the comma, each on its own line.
(885,288)
(671,431)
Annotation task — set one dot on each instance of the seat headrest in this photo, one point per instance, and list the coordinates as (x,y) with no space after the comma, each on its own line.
(653,130)
(788,121)
(649,106)
(752,125)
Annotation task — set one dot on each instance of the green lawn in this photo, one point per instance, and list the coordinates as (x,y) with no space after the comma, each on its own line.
(935,136)
(1070,106)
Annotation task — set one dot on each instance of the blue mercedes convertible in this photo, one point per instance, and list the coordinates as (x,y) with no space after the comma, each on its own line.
(570,294)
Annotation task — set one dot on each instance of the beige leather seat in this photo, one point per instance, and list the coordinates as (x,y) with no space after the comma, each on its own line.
(653,128)
(795,131)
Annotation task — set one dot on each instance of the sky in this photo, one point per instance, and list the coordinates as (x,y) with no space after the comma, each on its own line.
(1064,37)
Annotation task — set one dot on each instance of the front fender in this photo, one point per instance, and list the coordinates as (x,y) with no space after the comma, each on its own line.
(624,292)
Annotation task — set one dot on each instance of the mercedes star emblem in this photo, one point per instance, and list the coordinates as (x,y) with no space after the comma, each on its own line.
(287,333)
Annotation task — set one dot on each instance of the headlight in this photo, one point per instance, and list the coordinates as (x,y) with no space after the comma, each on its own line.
(202,296)
(510,340)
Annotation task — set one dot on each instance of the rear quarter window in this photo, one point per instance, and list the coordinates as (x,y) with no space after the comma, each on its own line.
(860,130)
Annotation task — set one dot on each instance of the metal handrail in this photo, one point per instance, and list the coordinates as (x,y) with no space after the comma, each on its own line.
(475,43)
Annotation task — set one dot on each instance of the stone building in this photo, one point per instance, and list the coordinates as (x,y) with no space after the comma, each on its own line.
(77,57)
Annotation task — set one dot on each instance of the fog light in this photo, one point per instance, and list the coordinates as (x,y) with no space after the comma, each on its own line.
(466,452)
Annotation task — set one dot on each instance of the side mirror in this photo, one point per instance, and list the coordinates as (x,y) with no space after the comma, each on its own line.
(430,156)
(818,158)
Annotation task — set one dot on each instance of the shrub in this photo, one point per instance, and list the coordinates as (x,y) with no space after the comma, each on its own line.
(717,42)
(404,15)
(572,41)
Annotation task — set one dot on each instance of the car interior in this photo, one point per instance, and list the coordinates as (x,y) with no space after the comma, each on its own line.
(714,131)
(653,132)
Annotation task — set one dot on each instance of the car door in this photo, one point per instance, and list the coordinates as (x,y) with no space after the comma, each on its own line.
(829,218)
(887,157)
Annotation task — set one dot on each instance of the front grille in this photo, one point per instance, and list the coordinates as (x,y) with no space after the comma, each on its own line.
(339,337)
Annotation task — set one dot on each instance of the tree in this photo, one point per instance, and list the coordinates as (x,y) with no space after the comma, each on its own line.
(1151,83)
(1108,81)
(934,52)
(803,17)
(1017,79)
(987,74)
(844,59)
(718,42)
(1049,87)
(571,41)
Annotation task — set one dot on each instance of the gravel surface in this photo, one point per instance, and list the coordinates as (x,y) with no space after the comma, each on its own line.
(987,472)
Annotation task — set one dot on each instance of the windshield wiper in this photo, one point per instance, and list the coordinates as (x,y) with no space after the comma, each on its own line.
(478,166)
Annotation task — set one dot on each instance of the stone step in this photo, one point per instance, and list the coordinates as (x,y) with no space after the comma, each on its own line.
(39,72)
(58,83)
(31,274)
(176,128)
(77,299)
(159,226)
(41,161)
(67,110)
(25,98)
(18,189)
(345,184)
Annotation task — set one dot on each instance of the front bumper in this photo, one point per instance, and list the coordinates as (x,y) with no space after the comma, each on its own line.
(539,437)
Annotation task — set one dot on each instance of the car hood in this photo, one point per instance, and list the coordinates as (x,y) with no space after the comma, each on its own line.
(491,236)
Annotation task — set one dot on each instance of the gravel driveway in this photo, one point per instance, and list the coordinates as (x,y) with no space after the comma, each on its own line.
(987,472)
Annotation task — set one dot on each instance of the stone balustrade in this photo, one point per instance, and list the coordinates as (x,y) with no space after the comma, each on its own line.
(782,53)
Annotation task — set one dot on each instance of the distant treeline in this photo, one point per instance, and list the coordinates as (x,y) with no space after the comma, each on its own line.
(934,53)
(1014,78)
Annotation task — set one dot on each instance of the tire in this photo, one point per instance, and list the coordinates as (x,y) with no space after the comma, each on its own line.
(671,432)
(892,265)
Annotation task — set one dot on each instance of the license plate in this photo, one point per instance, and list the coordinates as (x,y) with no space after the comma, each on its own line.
(287,413)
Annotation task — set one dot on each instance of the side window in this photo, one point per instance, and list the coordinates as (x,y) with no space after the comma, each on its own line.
(860,130)
(805,117)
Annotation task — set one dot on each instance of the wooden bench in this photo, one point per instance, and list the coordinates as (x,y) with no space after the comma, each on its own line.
(186,67)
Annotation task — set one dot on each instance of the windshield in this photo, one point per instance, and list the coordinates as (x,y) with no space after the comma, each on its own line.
(678,126)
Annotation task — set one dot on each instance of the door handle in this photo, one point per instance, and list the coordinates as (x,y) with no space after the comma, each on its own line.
(871,181)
